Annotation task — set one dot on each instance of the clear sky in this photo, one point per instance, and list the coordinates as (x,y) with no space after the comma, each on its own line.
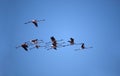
(94,22)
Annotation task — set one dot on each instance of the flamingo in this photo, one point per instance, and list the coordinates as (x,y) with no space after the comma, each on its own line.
(35,22)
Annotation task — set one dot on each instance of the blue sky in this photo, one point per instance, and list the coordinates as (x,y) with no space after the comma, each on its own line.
(94,22)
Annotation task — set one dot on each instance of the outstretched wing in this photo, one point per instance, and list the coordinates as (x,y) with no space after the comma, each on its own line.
(28,22)
(40,20)
(35,23)
(72,44)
